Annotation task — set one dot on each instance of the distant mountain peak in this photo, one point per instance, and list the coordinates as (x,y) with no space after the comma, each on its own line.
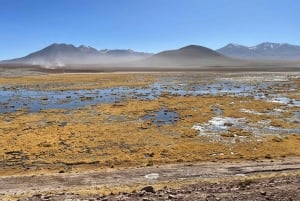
(268,45)
(234,45)
(85,47)
(190,47)
(264,51)
(190,51)
(191,55)
(60,45)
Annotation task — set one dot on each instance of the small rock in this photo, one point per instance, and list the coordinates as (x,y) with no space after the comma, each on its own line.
(149,155)
(211,197)
(46,197)
(172,196)
(161,195)
(263,192)
(148,189)
(228,124)
(142,193)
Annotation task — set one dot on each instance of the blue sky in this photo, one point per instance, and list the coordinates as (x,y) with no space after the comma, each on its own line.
(144,25)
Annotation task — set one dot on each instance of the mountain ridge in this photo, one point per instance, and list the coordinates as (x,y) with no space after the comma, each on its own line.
(61,54)
(262,51)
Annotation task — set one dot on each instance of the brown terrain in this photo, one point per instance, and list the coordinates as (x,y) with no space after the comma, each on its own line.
(198,181)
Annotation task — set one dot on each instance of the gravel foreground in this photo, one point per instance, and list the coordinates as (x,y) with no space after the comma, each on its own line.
(278,188)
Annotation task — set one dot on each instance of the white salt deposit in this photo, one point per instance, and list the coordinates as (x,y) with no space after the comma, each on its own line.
(251,112)
(152,176)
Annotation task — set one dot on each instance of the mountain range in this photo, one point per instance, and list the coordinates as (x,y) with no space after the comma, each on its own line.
(263,51)
(60,55)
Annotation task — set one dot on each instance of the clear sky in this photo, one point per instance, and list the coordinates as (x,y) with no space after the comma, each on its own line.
(144,25)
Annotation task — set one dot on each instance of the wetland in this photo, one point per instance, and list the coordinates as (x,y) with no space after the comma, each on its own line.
(72,123)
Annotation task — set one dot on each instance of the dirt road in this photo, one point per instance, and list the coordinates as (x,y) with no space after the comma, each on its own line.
(175,173)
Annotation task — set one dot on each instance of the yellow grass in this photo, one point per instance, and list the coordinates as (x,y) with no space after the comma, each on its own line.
(95,137)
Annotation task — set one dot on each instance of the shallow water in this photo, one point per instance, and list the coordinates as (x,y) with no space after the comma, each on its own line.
(33,100)
(162,117)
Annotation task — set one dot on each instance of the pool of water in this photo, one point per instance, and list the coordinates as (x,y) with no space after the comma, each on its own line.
(162,117)
(33,100)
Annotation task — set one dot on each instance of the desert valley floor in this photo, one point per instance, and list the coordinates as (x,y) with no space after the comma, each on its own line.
(105,136)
